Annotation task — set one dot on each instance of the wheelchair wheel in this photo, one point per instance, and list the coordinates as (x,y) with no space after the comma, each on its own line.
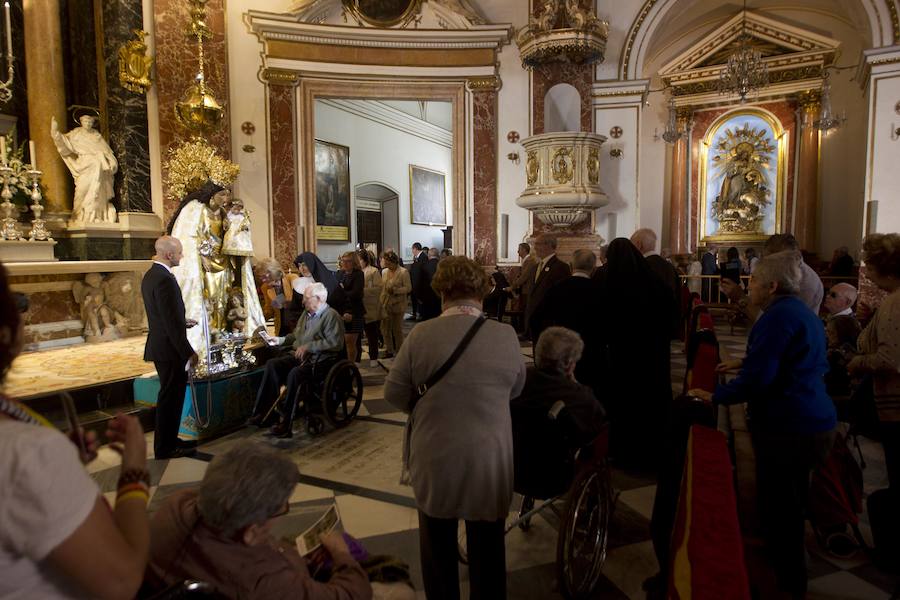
(342,394)
(581,548)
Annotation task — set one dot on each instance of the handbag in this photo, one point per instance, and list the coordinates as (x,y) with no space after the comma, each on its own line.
(435,377)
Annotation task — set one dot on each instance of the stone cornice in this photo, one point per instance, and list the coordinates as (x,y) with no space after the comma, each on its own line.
(389,116)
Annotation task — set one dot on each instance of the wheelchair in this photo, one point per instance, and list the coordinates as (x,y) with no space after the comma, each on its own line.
(575,485)
(332,394)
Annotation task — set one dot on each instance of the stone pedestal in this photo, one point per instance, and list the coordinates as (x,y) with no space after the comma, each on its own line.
(25,251)
(132,238)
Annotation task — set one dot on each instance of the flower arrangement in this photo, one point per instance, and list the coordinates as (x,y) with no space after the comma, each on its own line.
(19,181)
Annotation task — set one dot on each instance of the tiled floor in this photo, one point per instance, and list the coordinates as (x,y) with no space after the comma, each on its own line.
(359,468)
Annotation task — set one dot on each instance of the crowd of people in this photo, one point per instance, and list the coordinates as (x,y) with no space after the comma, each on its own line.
(601,331)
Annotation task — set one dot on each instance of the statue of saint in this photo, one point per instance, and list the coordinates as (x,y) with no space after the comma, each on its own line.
(208,275)
(93,165)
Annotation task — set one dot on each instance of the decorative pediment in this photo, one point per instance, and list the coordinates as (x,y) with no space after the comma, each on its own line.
(796,58)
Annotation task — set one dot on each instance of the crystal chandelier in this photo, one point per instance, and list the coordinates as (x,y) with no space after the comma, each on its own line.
(828,121)
(672,134)
(745,72)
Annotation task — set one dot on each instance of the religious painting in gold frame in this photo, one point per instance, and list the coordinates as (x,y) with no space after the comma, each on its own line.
(427,196)
(742,177)
(332,192)
(384,13)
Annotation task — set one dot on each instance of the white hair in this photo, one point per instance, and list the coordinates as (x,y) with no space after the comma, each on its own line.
(783,268)
(318,290)
(557,349)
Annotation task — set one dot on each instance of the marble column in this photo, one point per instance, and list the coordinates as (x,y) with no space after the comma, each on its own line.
(47,99)
(678,208)
(281,96)
(484,134)
(807,171)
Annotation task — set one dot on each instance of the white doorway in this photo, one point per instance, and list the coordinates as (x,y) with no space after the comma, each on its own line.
(378,197)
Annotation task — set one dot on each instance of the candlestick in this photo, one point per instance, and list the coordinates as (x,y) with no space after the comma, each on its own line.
(38,231)
(33,155)
(8,32)
(9,230)
(3,150)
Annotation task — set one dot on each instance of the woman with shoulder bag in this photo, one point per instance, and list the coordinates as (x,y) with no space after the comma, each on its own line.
(456,375)
(397,286)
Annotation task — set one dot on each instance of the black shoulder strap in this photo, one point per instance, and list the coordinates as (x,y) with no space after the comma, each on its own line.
(437,375)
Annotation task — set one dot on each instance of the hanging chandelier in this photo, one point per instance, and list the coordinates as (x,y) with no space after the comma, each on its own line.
(828,121)
(746,72)
(672,133)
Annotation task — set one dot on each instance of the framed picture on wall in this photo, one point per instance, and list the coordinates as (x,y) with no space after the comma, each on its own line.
(427,196)
(332,192)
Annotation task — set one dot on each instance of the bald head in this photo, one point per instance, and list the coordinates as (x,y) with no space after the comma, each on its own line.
(644,240)
(840,297)
(168,250)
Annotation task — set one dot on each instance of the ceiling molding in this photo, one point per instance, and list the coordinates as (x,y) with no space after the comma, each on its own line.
(386,115)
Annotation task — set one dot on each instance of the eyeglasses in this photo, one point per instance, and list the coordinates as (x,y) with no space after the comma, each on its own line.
(833,295)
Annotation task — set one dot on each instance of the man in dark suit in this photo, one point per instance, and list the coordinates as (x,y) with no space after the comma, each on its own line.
(574,303)
(550,271)
(419,258)
(167,346)
(429,302)
(645,241)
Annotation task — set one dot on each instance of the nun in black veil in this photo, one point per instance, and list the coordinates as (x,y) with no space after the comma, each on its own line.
(321,274)
(636,307)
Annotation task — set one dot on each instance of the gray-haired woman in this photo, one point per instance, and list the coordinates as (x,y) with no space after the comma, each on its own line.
(220,534)
(459,449)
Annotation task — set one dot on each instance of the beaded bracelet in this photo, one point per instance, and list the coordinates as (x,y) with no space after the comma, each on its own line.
(133,495)
(133,476)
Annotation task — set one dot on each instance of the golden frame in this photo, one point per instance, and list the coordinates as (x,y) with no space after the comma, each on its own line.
(782,136)
(412,10)
(412,216)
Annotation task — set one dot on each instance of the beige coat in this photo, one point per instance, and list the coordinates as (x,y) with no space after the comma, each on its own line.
(397,287)
(879,344)
(372,294)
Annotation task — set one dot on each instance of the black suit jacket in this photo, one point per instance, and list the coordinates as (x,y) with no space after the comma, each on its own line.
(167,335)
(415,272)
(669,276)
(574,303)
(552,273)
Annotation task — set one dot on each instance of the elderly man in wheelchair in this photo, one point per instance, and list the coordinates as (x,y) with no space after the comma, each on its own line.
(559,447)
(317,345)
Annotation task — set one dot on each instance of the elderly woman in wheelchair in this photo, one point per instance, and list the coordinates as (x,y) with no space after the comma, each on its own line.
(559,444)
(313,369)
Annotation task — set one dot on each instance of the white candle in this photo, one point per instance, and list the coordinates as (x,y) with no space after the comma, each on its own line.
(33,155)
(3,149)
(8,32)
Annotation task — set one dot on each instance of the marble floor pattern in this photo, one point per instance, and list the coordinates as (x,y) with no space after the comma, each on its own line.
(359,467)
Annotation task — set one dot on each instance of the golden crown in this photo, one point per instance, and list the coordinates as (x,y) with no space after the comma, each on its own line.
(192,163)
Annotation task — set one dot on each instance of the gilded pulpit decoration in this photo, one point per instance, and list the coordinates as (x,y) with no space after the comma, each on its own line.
(532,167)
(561,165)
(593,165)
(742,176)
(562,31)
(135,65)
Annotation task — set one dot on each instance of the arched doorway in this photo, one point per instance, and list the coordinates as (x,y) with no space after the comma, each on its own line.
(377,217)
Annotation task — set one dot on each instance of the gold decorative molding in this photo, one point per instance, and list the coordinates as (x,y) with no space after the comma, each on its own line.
(632,35)
(895,20)
(810,100)
(562,166)
(401,57)
(488,83)
(593,166)
(280,77)
(134,64)
(814,72)
(532,167)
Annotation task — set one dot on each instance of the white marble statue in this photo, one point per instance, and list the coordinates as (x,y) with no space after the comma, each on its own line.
(93,165)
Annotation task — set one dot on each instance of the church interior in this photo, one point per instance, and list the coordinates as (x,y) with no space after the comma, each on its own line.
(645,186)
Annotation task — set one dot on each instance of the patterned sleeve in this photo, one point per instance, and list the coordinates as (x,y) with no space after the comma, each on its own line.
(886,355)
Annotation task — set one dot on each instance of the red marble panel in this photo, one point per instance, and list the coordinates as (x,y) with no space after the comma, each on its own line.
(484,116)
(177,67)
(49,307)
(784,111)
(283,167)
(545,77)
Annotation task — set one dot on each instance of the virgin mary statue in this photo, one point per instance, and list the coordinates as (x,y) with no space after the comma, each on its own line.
(209,283)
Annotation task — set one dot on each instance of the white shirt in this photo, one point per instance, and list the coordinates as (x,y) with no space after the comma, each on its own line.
(45,495)
(165,266)
(580,274)
(847,312)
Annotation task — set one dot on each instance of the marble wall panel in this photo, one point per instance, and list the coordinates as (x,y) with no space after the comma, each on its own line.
(80,56)
(283,167)
(51,307)
(581,77)
(784,111)
(176,68)
(484,115)
(18,104)
(126,111)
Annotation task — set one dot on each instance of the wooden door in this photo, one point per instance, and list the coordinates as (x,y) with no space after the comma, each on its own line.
(368,227)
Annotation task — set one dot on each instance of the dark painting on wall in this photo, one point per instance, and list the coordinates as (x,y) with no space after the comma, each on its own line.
(332,192)
(383,13)
(427,196)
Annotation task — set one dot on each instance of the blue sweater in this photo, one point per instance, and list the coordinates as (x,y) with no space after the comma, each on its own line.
(782,376)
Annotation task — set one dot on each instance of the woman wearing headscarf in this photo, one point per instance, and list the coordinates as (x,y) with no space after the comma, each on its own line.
(307,262)
(636,307)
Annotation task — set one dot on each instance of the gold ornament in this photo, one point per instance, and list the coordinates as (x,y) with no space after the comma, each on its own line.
(562,165)
(593,165)
(742,160)
(192,163)
(135,65)
(532,167)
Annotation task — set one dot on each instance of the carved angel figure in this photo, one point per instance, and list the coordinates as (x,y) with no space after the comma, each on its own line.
(547,18)
(101,321)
